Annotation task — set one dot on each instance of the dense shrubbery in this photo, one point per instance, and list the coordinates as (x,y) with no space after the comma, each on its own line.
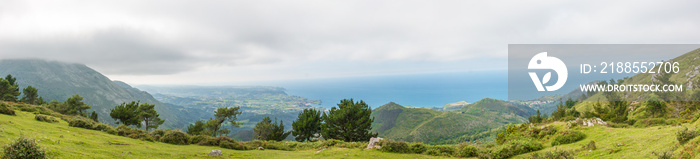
(441,150)
(5,109)
(81,122)
(45,118)
(467,150)
(418,148)
(684,135)
(175,137)
(516,147)
(395,146)
(568,137)
(24,148)
(556,154)
(124,130)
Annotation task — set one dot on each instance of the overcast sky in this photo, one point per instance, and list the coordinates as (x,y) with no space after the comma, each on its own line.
(224,42)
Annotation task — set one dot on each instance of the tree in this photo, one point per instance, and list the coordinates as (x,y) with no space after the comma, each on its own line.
(655,106)
(149,116)
(93,116)
(307,125)
(76,106)
(126,114)
(30,95)
(349,122)
(8,89)
(266,130)
(197,128)
(536,118)
(222,115)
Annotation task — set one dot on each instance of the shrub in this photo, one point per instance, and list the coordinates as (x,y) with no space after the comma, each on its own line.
(556,154)
(468,151)
(5,109)
(516,147)
(568,137)
(198,138)
(331,142)
(684,135)
(24,148)
(418,148)
(663,155)
(45,118)
(441,150)
(233,145)
(394,146)
(211,141)
(157,134)
(175,137)
(123,130)
(81,122)
(589,146)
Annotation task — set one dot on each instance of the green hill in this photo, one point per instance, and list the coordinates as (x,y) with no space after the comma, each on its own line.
(58,81)
(63,141)
(397,122)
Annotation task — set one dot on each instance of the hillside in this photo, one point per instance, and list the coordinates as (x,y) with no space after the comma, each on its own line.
(62,141)
(397,122)
(58,81)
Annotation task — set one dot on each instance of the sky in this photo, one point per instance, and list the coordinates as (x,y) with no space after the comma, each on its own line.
(224,42)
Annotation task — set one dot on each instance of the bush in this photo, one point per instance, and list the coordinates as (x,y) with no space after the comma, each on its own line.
(589,146)
(556,154)
(684,135)
(123,130)
(663,155)
(468,151)
(568,137)
(441,150)
(157,134)
(175,137)
(233,145)
(516,147)
(24,148)
(394,146)
(198,138)
(81,122)
(45,118)
(5,109)
(211,141)
(331,142)
(418,148)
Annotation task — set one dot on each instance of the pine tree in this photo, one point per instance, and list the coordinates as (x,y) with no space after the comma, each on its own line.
(267,130)
(307,125)
(126,114)
(30,95)
(349,122)
(8,89)
(76,106)
(197,128)
(93,116)
(149,116)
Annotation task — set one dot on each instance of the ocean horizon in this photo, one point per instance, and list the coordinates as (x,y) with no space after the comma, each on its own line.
(417,90)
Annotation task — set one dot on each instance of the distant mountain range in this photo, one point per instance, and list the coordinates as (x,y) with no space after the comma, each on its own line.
(58,81)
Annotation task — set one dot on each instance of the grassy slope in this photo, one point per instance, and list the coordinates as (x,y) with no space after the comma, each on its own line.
(83,143)
(424,125)
(638,142)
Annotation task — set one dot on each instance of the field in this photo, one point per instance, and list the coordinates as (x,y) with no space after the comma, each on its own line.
(62,141)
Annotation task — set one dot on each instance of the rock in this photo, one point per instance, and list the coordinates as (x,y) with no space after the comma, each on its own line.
(261,148)
(214,153)
(373,143)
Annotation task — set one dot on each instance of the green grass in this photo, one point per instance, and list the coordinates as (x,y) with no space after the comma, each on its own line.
(638,142)
(62,141)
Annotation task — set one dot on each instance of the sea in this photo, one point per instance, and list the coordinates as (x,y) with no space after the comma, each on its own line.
(417,90)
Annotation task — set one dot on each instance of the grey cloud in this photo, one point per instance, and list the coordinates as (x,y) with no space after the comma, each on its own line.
(112,51)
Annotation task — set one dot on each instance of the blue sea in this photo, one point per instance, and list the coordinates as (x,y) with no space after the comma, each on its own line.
(418,90)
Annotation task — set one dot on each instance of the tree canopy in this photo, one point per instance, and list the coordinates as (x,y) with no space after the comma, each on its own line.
(307,125)
(350,121)
(267,130)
